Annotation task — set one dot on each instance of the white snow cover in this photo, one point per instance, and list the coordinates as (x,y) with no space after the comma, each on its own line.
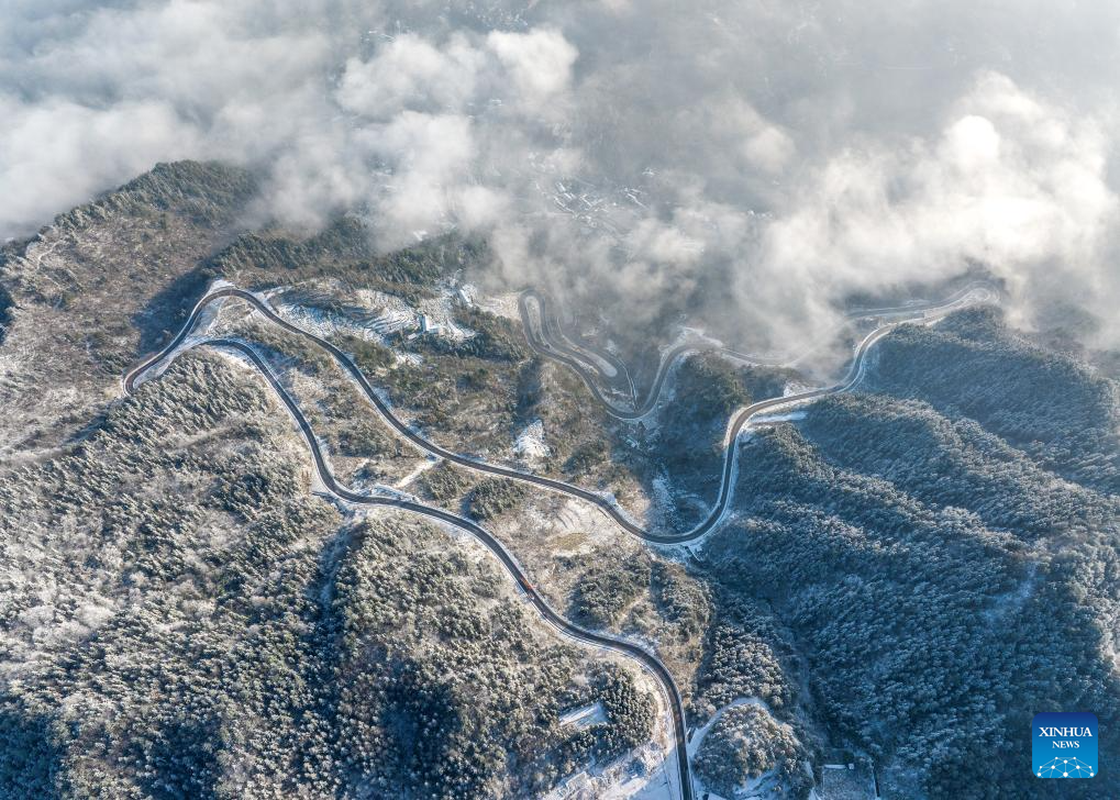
(792,416)
(530,444)
(501,305)
(584,716)
(388,314)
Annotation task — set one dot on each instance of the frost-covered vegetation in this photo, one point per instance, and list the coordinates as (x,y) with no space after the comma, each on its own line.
(492,496)
(104,283)
(688,445)
(744,657)
(607,588)
(438,688)
(910,572)
(494,338)
(1054,409)
(445,482)
(181,619)
(942,557)
(914,531)
(360,445)
(744,743)
(706,391)
(682,600)
(342,253)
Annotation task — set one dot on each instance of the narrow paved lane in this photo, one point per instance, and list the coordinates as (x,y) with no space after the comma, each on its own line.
(647,660)
(552,343)
(605,504)
(570,356)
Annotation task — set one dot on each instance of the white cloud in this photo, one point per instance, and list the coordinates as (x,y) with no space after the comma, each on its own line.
(431,156)
(411,73)
(57,153)
(666,243)
(539,64)
(791,153)
(1010,182)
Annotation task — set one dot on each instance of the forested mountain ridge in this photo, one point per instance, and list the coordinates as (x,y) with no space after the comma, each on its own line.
(182,619)
(907,571)
(100,285)
(944,544)
(1057,410)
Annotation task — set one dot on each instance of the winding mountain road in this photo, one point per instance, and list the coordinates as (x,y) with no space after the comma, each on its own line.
(604,503)
(648,661)
(552,342)
(555,341)
(565,354)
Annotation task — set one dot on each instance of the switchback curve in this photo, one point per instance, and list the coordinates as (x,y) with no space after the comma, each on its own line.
(605,504)
(649,661)
(552,342)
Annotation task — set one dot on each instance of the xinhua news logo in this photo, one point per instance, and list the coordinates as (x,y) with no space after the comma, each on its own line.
(1064,745)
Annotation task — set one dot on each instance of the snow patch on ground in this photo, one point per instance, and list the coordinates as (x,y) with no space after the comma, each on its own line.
(792,416)
(561,517)
(421,468)
(500,305)
(530,444)
(375,315)
(662,491)
(584,716)
(393,314)
(325,323)
(796,387)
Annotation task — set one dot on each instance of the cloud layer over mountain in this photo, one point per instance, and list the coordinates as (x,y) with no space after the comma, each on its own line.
(791,152)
